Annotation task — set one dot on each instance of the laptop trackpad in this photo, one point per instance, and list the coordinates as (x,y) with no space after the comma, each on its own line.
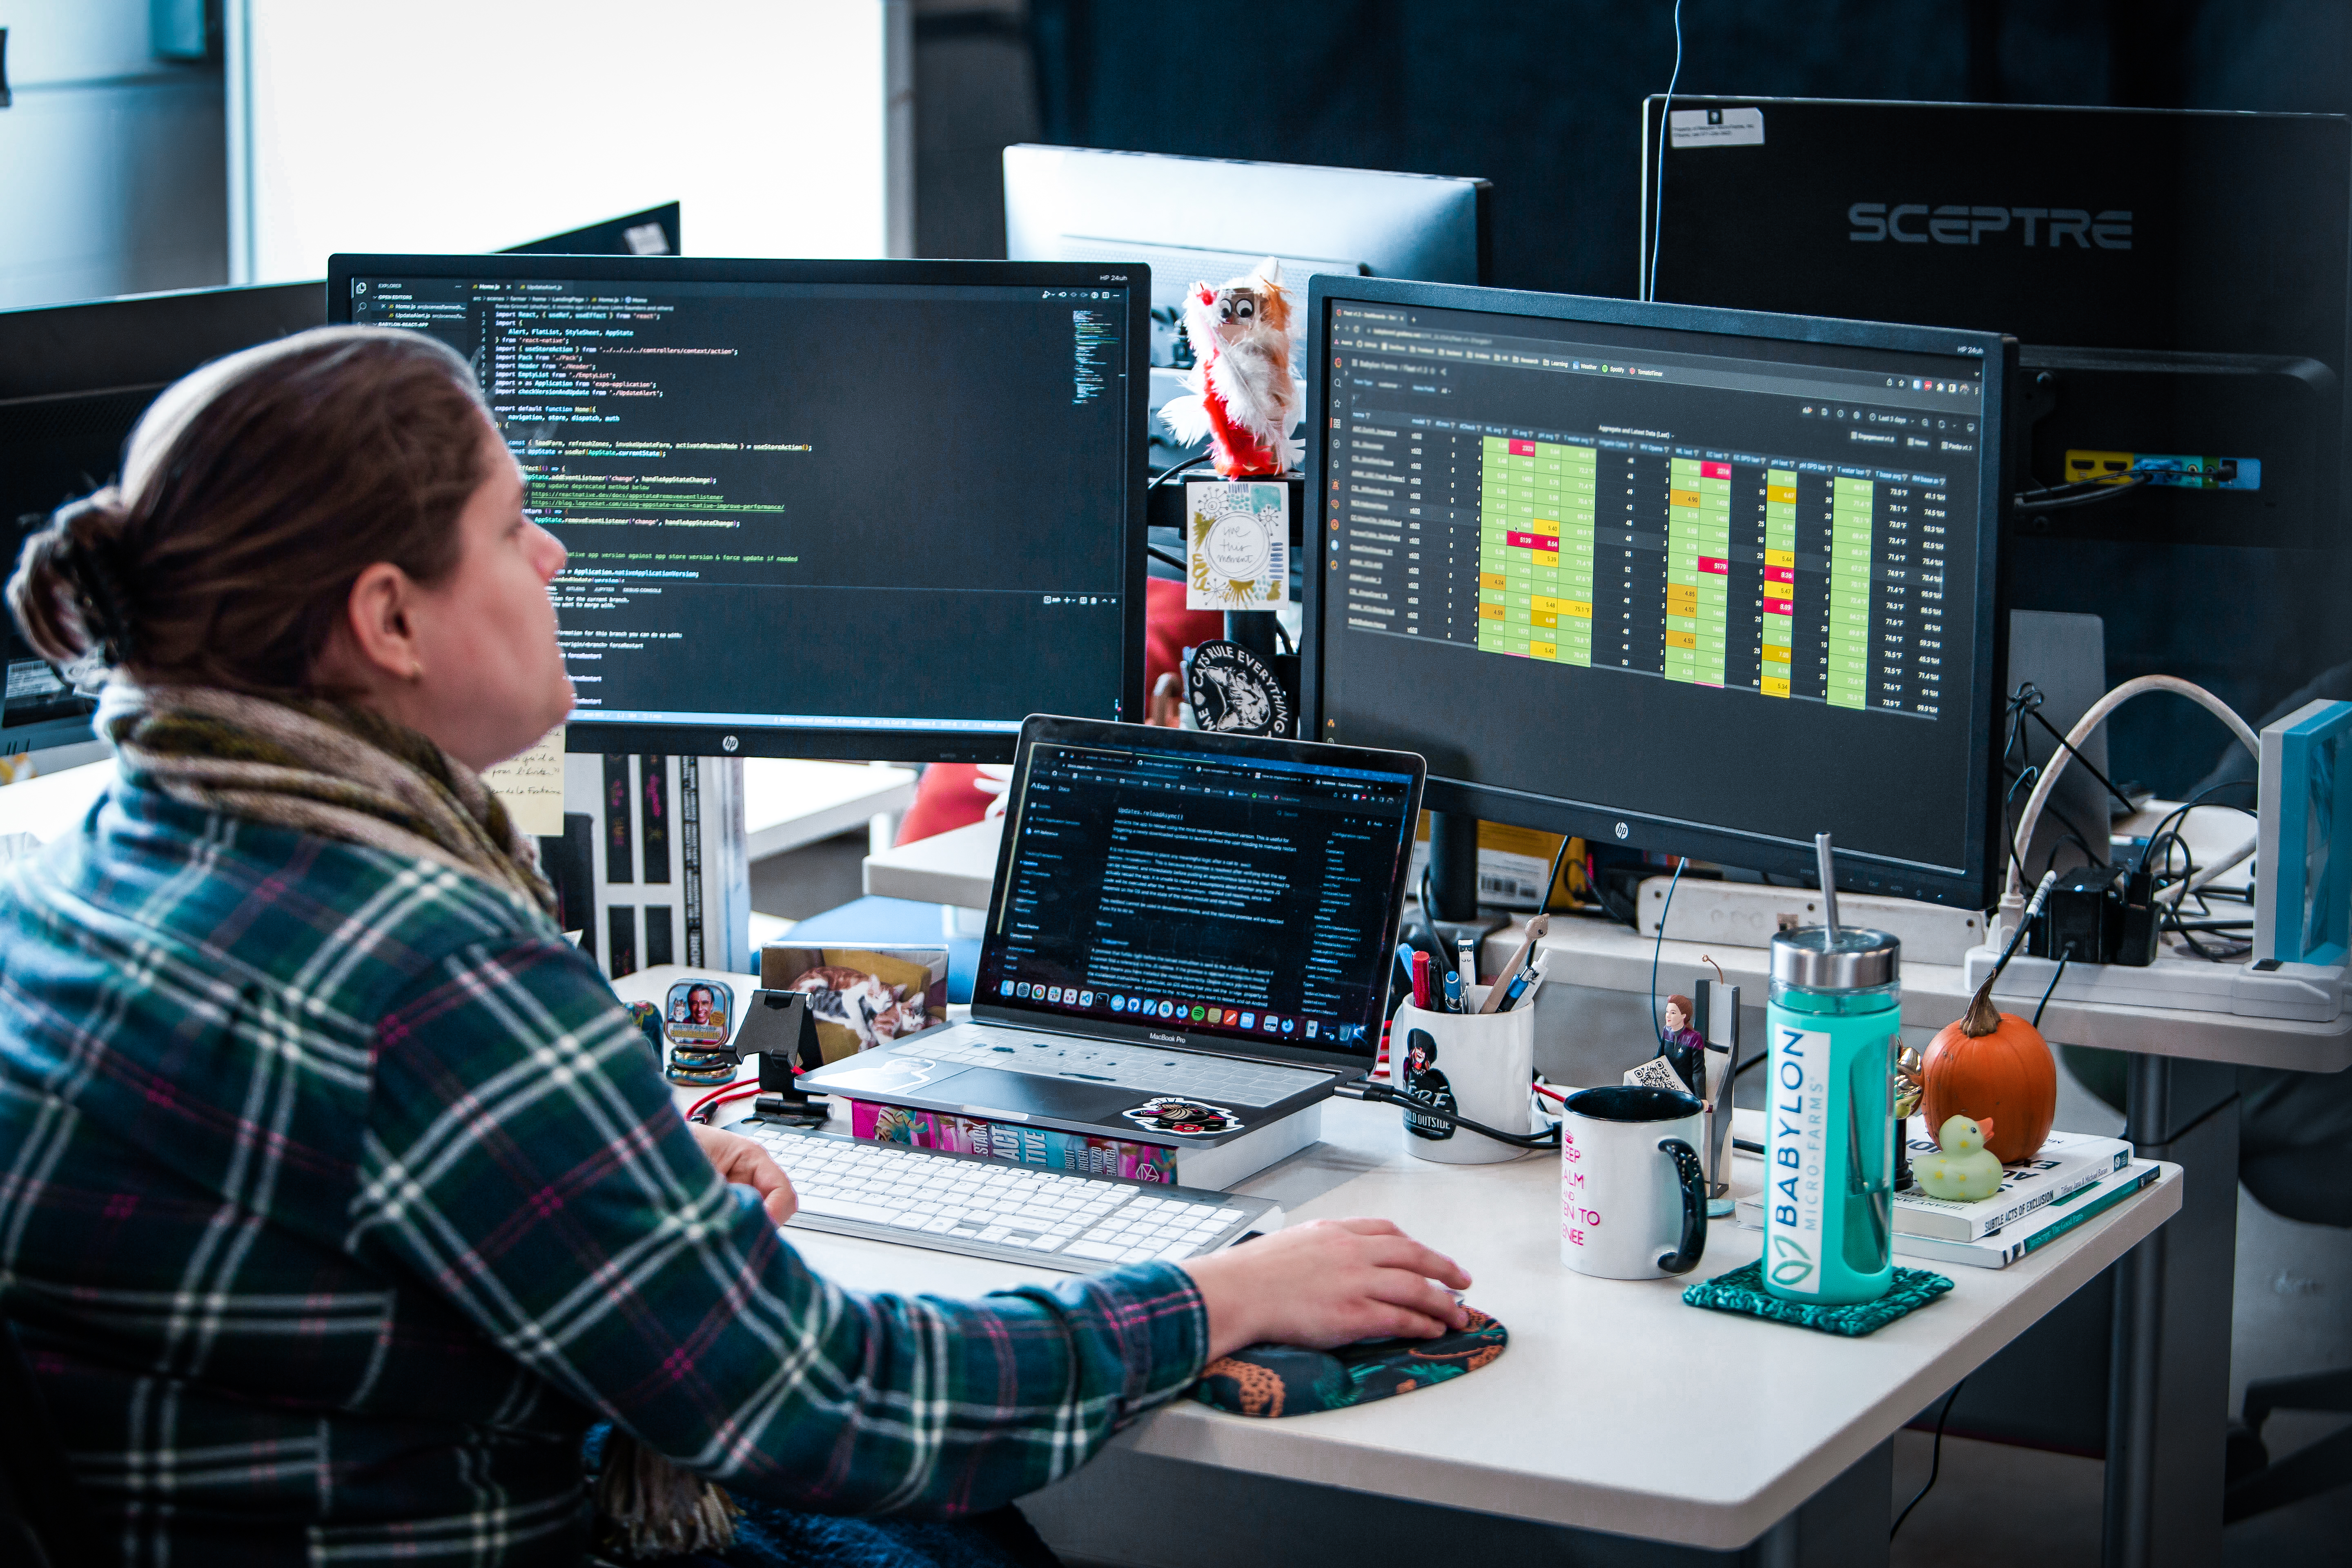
(980,1091)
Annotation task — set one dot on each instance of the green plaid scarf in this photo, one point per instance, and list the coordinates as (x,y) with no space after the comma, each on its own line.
(320,767)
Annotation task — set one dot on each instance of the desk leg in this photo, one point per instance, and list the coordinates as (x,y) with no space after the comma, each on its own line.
(2168,1382)
(1843,1525)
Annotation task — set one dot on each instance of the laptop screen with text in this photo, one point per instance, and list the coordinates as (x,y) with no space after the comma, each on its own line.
(1243,894)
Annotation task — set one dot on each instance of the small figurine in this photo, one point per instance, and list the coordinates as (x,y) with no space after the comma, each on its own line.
(1964,1170)
(1242,398)
(1908,1087)
(1685,1047)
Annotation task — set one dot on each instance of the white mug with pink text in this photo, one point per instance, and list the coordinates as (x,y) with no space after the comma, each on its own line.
(1633,1193)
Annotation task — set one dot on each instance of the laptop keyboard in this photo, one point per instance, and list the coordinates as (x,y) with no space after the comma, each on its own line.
(993,1208)
(1218,1079)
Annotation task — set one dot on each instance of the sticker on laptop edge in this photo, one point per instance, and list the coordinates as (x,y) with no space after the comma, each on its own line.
(1185,1118)
(887,1071)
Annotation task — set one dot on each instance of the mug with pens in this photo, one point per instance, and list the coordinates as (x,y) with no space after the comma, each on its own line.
(1461,1056)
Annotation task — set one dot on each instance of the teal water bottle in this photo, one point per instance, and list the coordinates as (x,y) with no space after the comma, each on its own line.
(1835,1025)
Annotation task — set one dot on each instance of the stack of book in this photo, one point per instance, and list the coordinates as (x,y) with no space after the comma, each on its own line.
(2071,1178)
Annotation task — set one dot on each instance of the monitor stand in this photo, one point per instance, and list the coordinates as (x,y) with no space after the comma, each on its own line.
(1454,881)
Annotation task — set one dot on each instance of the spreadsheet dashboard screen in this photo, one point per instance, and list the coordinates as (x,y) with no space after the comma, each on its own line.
(1663,585)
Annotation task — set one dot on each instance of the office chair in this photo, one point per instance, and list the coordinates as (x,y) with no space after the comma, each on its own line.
(2294,1144)
(42,1520)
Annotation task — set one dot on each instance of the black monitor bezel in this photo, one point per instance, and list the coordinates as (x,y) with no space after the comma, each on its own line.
(1054,728)
(1974,886)
(847,742)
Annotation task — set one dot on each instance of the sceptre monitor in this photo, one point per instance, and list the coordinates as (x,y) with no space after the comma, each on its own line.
(848,509)
(2180,287)
(1695,581)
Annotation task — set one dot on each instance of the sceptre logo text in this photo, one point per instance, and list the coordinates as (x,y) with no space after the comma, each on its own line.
(2037,228)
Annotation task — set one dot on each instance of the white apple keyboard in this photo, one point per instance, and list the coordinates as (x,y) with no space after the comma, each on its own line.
(995,1208)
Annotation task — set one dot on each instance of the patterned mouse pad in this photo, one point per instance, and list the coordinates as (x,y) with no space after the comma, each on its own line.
(1290,1380)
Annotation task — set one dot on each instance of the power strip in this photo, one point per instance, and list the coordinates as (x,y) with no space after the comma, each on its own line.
(1749,914)
(2305,993)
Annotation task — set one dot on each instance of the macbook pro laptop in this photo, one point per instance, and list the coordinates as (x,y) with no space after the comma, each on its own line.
(1189,937)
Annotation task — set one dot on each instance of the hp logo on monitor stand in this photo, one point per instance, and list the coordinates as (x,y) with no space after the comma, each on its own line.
(728,745)
(1622,829)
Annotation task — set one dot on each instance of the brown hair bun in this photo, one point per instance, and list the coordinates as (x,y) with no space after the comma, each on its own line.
(254,493)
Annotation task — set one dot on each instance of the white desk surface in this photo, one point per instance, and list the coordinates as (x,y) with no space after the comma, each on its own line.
(1616,1408)
(1611,957)
(958,866)
(786,803)
(52,803)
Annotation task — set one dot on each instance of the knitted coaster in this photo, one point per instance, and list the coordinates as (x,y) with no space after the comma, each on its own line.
(1291,1380)
(1742,1290)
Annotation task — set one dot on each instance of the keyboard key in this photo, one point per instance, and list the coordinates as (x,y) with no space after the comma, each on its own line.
(835,1208)
(1095,1249)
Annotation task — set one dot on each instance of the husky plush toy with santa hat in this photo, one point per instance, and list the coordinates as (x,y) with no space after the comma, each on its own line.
(1243,399)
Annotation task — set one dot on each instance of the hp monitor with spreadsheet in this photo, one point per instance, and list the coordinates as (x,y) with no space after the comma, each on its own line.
(1690,581)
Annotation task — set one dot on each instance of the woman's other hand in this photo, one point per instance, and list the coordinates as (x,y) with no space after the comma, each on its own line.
(1327,1282)
(738,1159)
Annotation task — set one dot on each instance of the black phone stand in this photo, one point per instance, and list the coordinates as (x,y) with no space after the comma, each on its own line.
(781,1031)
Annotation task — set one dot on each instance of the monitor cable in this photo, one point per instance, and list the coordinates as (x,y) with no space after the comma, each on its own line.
(1388,1094)
(2012,898)
(1665,135)
(2083,492)
(1935,1462)
(1657,1025)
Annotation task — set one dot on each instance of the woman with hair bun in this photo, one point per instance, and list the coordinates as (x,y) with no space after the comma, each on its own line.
(338,1196)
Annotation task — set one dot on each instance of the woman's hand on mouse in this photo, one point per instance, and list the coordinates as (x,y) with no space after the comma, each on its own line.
(1327,1282)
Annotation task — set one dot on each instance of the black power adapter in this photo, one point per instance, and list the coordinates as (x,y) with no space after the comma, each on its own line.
(2082,918)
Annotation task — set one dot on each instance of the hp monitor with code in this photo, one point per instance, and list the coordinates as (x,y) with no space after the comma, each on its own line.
(1693,581)
(848,508)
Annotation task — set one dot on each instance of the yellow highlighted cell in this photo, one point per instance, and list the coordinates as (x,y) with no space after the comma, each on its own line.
(1682,639)
(1780,492)
(1779,558)
(1545,557)
(1774,654)
(1682,600)
(1775,686)
(1682,498)
(1490,579)
(1544,618)
(1543,650)
(1576,607)
(1490,612)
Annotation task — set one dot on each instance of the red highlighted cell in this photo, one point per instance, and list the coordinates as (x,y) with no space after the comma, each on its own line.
(1532,540)
(1713,564)
(1779,607)
(1779,574)
(1523,448)
(1715,471)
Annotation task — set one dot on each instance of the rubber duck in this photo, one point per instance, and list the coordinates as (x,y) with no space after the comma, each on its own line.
(1962,1170)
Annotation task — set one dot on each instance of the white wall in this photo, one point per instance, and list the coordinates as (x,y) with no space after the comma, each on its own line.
(446,125)
(111,173)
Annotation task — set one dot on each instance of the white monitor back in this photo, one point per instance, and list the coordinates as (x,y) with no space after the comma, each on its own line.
(782,128)
(1208,219)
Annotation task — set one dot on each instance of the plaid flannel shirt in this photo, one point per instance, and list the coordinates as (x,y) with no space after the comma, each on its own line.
(338,1196)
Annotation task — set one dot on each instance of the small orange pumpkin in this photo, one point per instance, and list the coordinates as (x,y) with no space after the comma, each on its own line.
(1994,1068)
